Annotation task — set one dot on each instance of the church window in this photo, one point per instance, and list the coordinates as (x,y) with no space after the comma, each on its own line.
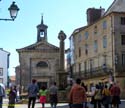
(122,20)
(42,64)
(123,39)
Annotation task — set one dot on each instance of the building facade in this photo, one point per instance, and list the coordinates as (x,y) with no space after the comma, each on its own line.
(98,49)
(38,61)
(4,66)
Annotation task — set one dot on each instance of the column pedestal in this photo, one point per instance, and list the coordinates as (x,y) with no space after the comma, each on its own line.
(62,79)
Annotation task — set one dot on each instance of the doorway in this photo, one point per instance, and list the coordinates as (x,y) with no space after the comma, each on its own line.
(40,84)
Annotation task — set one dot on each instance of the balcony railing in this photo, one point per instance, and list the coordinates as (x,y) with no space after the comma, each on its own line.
(120,68)
(94,72)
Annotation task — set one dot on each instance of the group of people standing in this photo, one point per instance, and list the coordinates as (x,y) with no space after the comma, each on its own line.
(34,91)
(101,95)
(106,96)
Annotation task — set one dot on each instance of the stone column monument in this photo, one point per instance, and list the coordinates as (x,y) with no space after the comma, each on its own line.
(62,75)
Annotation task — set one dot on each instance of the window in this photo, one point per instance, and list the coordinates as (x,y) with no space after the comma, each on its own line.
(104,42)
(95,46)
(79,52)
(95,30)
(122,20)
(86,35)
(41,33)
(123,59)
(1,80)
(86,49)
(104,59)
(79,38)
(1,71)
(85,66)
(91,64)
(42,64)
(123,39)
(79,67)
(104,24)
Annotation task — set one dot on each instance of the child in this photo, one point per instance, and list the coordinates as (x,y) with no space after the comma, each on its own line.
(43,93)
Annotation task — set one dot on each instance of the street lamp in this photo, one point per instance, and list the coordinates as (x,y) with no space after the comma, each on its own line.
(13,9)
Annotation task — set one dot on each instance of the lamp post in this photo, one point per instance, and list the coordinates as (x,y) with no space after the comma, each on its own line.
(13,9)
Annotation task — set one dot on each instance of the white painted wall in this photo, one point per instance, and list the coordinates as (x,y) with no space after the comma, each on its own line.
(4,64)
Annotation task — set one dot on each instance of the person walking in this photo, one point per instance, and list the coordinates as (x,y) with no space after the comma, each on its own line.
(2,94)
(43,94)
(15,89)
(67,91)
(12,97)
(53,91)
(115,93)
(77,95)
(32,93)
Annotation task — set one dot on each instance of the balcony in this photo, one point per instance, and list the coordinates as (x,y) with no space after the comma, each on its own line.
(120,68)
(94,72)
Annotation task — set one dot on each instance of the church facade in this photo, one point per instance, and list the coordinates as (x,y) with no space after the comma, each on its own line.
(39,61)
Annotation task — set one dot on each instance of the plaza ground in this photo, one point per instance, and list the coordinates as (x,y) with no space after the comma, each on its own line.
(60,105)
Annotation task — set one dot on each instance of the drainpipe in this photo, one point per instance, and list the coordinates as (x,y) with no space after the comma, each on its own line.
(113,50)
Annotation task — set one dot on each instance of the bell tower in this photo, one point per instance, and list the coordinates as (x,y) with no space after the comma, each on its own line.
(42,31)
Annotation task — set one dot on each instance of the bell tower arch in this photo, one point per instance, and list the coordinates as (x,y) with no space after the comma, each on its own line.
(42,31)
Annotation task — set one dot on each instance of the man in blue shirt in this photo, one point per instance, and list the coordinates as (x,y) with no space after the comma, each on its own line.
(32,93)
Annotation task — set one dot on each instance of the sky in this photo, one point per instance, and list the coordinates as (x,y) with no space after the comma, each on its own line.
(66,15)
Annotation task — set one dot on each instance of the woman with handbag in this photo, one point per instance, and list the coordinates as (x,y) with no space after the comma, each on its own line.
(106,97)
(97,97)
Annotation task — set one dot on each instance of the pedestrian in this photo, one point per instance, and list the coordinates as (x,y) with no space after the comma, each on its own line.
(15,90)
(68,90)
(53,91)
(77,95)
(85,87)
(2,94)
(12,97)
(106,97)
(32,93)
(93,88)
(97,97)
(43,94)
(115,92)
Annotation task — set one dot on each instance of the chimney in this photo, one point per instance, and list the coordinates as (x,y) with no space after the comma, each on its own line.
(94,14)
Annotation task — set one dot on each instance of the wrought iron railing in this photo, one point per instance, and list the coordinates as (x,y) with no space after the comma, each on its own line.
(120,68)
(93,72)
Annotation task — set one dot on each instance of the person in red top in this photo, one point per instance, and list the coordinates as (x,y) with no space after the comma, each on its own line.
(115,93)
(77,95)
